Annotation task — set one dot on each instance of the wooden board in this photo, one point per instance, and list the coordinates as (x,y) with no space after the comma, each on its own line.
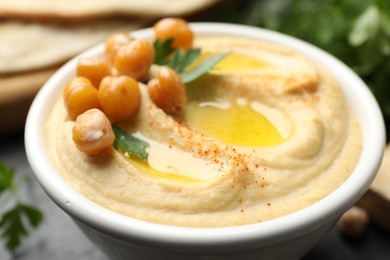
(16,94)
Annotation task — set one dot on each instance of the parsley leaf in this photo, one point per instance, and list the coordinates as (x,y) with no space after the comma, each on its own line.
(13,226)
(365,26)
(207,64)
(6,175)
(13,221)
(129,143)
(162,49)
(33,215)
(181,61)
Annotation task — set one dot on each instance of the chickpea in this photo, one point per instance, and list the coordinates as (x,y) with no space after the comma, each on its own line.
(119,97)
(353,223)
(92,132)
(113,44)
(134,59)
(167,91)
(79,96)
(177,29)
(93,68)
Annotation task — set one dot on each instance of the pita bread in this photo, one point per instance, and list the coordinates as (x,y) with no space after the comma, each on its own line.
(93,8)
(31,45)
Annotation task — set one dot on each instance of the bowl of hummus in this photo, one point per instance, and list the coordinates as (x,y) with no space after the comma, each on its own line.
(267,149)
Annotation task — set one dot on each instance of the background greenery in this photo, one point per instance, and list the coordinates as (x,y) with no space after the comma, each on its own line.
(355,31)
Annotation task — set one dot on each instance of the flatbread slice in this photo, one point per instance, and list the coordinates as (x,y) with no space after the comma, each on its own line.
(92,8)
(32,45)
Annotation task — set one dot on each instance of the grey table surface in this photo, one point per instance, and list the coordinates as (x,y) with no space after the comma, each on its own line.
(59,238)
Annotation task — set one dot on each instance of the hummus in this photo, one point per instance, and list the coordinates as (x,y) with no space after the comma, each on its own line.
(264,134)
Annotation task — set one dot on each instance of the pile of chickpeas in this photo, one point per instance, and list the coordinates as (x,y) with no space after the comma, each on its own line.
(106,89)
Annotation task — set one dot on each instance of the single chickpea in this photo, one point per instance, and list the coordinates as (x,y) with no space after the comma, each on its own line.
(177,29)
(79,96)
(134,59)
(93,68)
(92,132)
(167,91)
(119,97)
(114,43)
(353,223)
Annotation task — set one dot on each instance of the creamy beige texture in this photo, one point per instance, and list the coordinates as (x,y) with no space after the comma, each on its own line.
(245,184)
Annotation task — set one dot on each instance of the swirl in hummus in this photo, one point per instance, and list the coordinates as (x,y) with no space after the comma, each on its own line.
(294,142)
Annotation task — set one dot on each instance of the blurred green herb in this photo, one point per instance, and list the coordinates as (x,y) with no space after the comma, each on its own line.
(357,32)
(13,221)
(162,50)
(207,64)
(130,144)
(181,61)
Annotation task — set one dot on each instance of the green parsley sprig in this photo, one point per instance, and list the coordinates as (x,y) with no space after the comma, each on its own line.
(130,144)
(15,221)
(183,61)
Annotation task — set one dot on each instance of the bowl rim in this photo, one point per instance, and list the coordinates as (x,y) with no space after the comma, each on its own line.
(238,237)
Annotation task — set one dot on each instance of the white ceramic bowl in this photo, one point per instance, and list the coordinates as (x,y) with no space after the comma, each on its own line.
(288,237)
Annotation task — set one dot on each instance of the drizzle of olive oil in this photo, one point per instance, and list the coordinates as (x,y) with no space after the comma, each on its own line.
(232,62)
(233,124)
(145,168)
(238,62)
